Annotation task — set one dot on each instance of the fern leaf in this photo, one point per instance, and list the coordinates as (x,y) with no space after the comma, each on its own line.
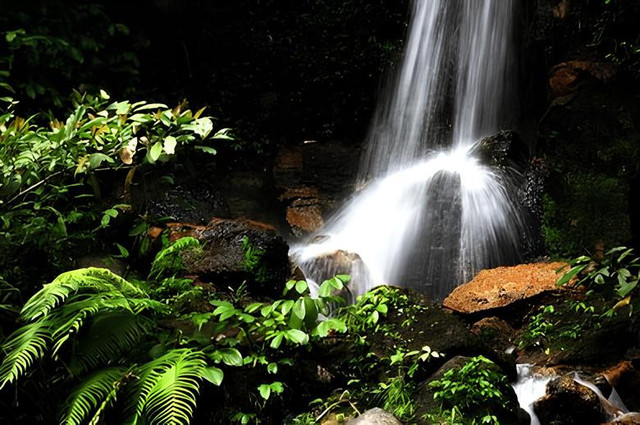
(24,346)
(168,387)
(92,396)
(110,335)
(169,259)
(68,283)
(70,317)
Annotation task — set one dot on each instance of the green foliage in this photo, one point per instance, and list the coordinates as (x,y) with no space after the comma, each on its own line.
(47,50)
(477,390)
(96,322)
(91,397)
(169,260)
(52,178)
(253,261)
(614,276)
(396,396)
(166,392)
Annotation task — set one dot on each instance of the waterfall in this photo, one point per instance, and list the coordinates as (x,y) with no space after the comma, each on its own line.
(431,214)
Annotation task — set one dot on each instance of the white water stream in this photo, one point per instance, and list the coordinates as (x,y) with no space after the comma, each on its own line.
(431,215)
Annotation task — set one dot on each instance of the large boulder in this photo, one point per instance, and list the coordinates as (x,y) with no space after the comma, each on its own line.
(503,286)
(236,252)
(569,403)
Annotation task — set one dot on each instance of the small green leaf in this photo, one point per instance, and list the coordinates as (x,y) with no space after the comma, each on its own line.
(272,368)
(275,342)
(301,286)
(570,274)
(265,391)
(155,151)
(206,149)
(299,309)
(213,375)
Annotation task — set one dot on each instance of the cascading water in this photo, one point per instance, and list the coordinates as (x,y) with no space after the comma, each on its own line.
(431,214)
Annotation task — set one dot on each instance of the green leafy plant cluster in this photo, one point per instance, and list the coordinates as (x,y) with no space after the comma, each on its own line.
(53,177)
(615,277)
(471,394)
(554,327)
(133,345)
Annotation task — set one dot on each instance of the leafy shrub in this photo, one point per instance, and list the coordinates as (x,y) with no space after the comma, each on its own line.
(122,338)
(614,276)
(52,178)
(474,392)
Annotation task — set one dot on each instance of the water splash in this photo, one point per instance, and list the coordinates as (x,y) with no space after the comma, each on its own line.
(431,214)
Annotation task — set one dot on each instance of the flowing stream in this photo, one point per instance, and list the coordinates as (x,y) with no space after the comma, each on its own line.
(430,214)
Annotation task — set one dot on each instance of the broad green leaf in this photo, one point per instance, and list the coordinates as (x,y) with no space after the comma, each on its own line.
(265,391)
(570,274)
(155,151)
(213,375)
(231,356)
(297,336)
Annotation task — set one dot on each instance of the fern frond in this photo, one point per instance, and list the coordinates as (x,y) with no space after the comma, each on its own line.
(168,387)
(68,283)
(24,346)
(71,316)
(169,259)
(110,335)
(92,396)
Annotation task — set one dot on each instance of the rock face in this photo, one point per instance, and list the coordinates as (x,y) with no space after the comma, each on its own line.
(303,210)
(237,251)
(503,286)
(313,179)
(569,403)
(375,416)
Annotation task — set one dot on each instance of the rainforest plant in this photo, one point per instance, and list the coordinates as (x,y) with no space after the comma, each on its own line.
(614,276)
(473,393)
(53,177)
(129,343)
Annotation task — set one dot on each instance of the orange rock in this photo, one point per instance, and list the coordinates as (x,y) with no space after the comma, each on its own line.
(502,286)
(566,76)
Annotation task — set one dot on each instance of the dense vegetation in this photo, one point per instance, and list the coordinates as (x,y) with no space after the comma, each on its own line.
(102,322)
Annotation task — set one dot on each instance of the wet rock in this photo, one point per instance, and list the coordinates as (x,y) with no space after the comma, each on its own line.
(313,179)
(569,403)
(495,332)
(626,419)
(375,416)
(503,286)
(325,266)
(506,145)
(625,378)
(237,251)
(191,201)
(303,210)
